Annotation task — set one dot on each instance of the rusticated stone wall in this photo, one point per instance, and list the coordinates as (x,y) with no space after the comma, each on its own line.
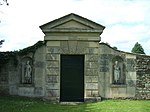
(143,77)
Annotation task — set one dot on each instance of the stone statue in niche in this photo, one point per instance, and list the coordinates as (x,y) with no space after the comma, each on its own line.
(117,72)
(28,71)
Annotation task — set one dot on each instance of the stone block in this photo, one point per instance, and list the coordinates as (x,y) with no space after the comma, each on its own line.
(39,56)
(53,86)
(122,92)
(52,64)
(91,72)
(13,90)
(26,91)
(53,43)
(81,47)
(91,86)
(52,71)
(52,79)
(92,58)
(38,91)
(88,93)
(92,51)
(91,78)
(93,44)
(52,56)
(39,64)
(91,64)
(72,47)
(54,50)
(114,93)
(104,69)
(131,91)
(105,57)
(40,50)
(131,83)
(104,62)
(13,78)
(52,93)
(130,66)
(95,93)
(64,47)
(131,76)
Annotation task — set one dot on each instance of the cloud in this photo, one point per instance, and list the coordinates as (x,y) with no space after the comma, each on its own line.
(126,21)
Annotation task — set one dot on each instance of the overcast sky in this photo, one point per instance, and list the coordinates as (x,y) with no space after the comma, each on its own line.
(126,21)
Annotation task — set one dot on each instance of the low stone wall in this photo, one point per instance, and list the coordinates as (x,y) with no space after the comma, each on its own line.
(7,80)
(143,77)
(4,88)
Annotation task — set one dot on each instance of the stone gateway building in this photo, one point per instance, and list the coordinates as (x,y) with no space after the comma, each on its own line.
(70,65)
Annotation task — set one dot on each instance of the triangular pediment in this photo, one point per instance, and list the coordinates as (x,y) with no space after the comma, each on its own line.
(72,23)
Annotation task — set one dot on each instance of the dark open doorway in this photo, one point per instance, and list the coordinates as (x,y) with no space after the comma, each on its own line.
(72,78)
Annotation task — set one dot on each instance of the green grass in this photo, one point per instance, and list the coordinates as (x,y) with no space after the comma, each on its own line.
(20,104)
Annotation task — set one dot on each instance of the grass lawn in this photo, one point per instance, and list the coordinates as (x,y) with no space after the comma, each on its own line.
(21,104)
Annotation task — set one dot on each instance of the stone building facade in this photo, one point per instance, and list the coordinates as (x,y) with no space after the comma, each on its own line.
(71,65)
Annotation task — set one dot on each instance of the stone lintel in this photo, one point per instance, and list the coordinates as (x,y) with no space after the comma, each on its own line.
(72,30)
(67,38)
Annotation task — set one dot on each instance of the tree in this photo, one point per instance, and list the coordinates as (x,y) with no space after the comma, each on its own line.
(2,2)
(1,42)
(115,47)
(138,48)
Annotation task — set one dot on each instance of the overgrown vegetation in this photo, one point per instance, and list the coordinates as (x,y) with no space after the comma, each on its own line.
(31,48)
(20,104)
(6,56)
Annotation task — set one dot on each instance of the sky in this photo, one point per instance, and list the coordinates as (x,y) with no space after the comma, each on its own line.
(126,21)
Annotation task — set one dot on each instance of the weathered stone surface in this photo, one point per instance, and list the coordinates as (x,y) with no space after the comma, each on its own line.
(50,86)
(92,50)
(3,78)
(81,47)
(52,64)
(130,65)
(105,56)
(38,91)
(91,72)
(92,64)
(72,47)
(52,93)
(91,58)
(52,71)
(93,44)
(52,79)
(39,64)
(91,86)
(53,50)
(104,69)
(131,91)
(104,62)
(52,57)
(64,47)
(131,83)
(91,79)
(13,90)
(88,93)
(95,93)
(92,93)
(26,91)
(53,43)
(143,78)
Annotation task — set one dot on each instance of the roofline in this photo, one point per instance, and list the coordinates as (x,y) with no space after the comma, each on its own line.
(72,14)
